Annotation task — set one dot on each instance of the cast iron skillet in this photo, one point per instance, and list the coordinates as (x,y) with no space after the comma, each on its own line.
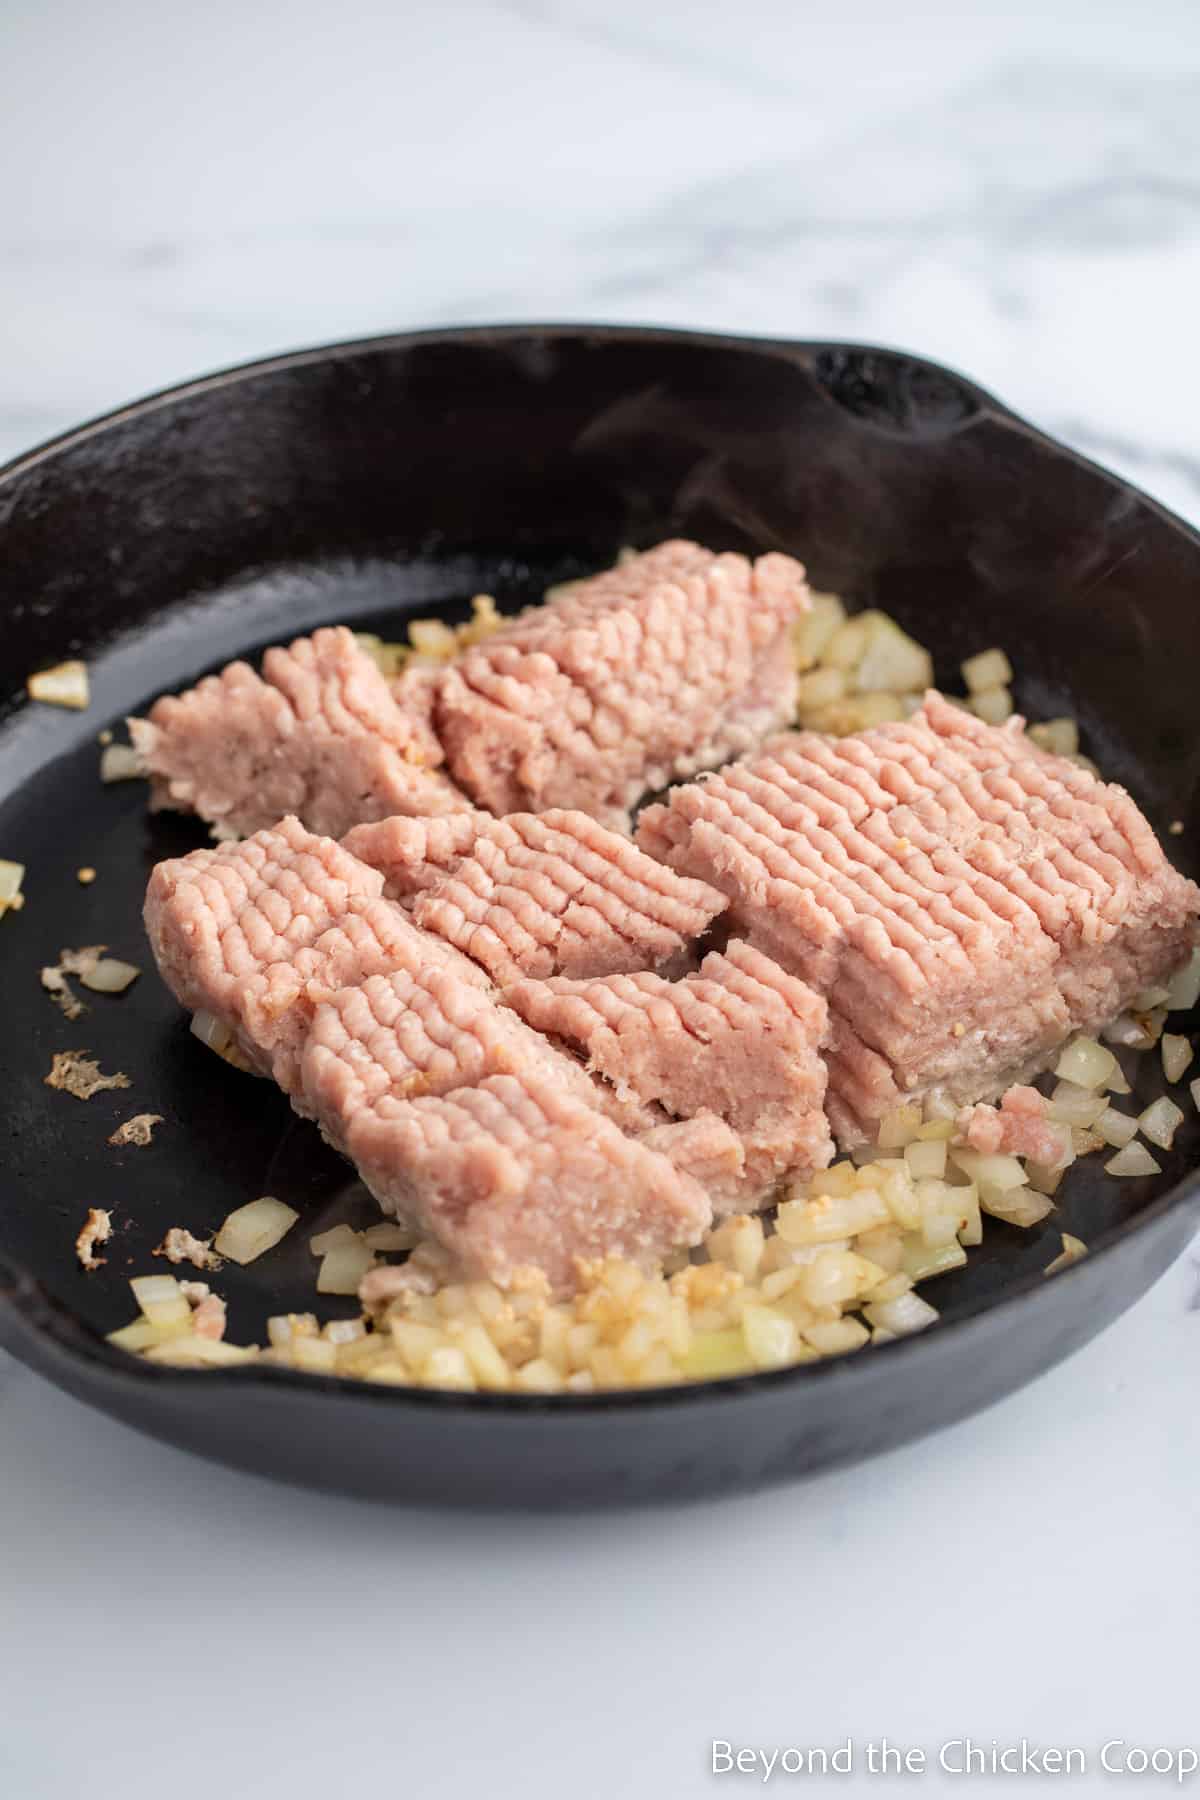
(369,481)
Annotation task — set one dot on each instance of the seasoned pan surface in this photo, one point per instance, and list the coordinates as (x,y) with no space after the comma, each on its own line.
(371,482)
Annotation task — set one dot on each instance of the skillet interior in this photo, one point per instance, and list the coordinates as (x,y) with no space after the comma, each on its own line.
(372,482)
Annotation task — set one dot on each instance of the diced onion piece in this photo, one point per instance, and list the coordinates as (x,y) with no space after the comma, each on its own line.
(109,975)
(1086,1063)
(1023,1208)
(1183,989)
(162,1300)
(12,874)
(1116,1083)
(1072,1249)
(770,1337)
(1194,1091)
(899,1128)
(814,629)
(923,1261)
(64,685)
(892,661)
(1116,1128)
(337,1234)
(1071,1104)
(192,1351)
(344,1266)
(251,1230)
(390,1236)
(905,1314)
(1160,1121)
(847,645)
(121,762)
(829,1216)
(218,1037)
(1134,1159)
(1059,736)
(432,638)
(993,705)
(143,1333)
(1129,1033)
(1176,1055)
(1148,1000)
(838,1336)
(820,687)
(1044,1180)
(926,1158)
(990,669)
(1003,1173)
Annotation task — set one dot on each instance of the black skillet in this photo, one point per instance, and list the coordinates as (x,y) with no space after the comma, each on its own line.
(371,481)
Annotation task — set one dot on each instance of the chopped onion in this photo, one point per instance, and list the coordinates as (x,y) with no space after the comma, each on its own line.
(64,685)
(1134,1159)
(161,1299)
(1071,1104)
(1147,999)
(992,705)
(1194,1091)
(1072,1249)
(217,1036)
(193,1351)
(837,1336)
(344,1266)
(1176,1055)
(1023,1207)
(1086,1063)
(1059,736)
(253,1229)
(926,1158)
(110,976)
(770,1337)
(814,629)
(906,1313)
(899,1128)
(142,1334)
(1000,1173)
(921,1262)
(12,874)
(1044,1180)
(1183,989)
(892,661)
(989,669)
(390,1236)
(1116,1128)
(337,1234)
(1116,1083)
(1160,1121)
(121,762)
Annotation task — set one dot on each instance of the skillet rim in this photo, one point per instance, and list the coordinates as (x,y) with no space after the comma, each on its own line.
(42,1318)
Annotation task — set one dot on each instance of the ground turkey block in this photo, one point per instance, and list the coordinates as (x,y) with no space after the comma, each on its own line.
(669,663)
(539,894)
(258,933)
(963,899)
(318,734)
(393,1041)
(515,1173)
(739,1040)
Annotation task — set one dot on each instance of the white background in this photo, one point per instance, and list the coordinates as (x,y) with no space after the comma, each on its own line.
(1014,190)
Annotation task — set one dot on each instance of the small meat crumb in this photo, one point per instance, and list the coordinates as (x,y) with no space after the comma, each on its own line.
(208,1309)
(138,1130)
(75,1073)
(180,1246)
(55,984)
(97,1229)
(85,876)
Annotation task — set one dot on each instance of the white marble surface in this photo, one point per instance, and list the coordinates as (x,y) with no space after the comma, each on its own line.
(1014,190)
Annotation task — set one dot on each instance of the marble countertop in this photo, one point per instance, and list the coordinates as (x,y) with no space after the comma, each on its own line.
(1013,190)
